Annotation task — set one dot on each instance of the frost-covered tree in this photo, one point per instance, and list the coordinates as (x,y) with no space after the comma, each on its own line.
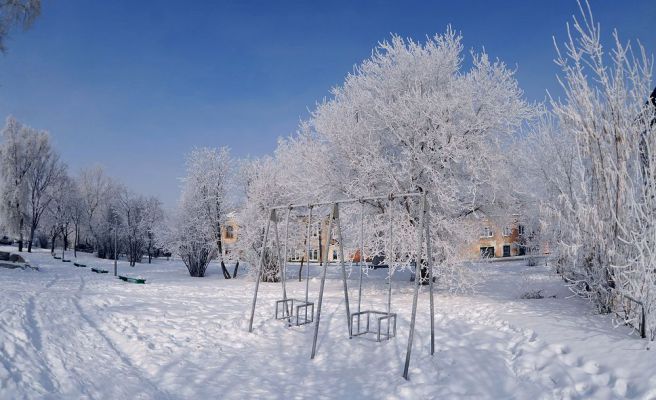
(99,195)
(210,172)
(19,152)
(266,184)
(44,174)
(140,217)
(60,210)
(596,166)
(412,118)
(77,214)
(152,219)
(132,208)
(194,233)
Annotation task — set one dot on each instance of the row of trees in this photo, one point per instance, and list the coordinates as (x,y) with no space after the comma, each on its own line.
(41,202)
(590,167)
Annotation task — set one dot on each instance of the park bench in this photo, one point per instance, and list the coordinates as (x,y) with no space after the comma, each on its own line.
(131,279)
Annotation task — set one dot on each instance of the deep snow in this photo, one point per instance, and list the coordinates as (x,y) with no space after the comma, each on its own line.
(66,332)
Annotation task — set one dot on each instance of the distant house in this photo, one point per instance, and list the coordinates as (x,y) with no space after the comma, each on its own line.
(229,234)
(502,237)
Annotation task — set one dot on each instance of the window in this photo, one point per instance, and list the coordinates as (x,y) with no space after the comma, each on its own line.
(507,230)
(230,232)
(334,254)
(486,232)
(315,254)
(520,230)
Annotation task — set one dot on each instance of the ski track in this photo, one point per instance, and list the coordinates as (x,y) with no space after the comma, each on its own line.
(73,334)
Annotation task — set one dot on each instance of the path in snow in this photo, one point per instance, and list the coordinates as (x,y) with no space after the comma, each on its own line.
(66,332)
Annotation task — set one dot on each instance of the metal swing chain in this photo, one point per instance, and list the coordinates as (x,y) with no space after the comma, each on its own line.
(283,264)
(307,269)
(391,259)
(362,260)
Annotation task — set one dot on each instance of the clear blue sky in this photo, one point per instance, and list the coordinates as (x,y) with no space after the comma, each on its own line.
(134,85)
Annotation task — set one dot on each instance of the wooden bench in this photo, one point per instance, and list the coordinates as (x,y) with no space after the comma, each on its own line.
(131,279)
(99,270)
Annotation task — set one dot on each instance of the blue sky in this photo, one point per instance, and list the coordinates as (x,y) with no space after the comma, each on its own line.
(134,85)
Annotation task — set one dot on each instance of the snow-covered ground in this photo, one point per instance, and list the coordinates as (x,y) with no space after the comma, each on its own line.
(66,332)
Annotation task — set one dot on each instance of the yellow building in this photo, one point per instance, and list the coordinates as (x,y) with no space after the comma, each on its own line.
(229,234)
(500,237)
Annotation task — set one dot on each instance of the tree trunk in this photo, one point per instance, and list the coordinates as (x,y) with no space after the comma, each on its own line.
(234,272)
(29,244)
(300,269)
(320,247)
(20,235)
(77,241)
(226,274)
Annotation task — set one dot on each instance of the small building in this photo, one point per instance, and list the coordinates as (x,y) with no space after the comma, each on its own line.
(501,237)
(229,234)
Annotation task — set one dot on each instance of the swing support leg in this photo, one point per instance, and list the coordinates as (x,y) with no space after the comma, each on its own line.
(413,317)
(323,282)
(259,269)
(429,255)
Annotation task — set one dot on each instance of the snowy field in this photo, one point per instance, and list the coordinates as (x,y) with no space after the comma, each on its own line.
(66,332)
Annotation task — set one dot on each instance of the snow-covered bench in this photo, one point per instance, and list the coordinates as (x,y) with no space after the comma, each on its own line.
(131,279)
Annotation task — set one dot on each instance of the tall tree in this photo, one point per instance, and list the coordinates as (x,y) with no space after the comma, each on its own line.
(195,231)
(46,170)
(98,193)
(19,153)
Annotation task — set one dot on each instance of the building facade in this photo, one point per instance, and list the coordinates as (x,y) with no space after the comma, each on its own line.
(500,237)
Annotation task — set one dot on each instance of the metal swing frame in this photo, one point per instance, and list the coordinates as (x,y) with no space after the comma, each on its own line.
(423,239)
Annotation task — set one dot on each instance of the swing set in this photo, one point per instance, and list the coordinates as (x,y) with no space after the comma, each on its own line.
(379,323)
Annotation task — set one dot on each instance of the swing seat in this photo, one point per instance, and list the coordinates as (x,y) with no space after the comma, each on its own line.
(304,311)
(383,324)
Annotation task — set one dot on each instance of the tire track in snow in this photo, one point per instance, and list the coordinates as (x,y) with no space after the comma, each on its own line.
(32,330)
(124,359)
